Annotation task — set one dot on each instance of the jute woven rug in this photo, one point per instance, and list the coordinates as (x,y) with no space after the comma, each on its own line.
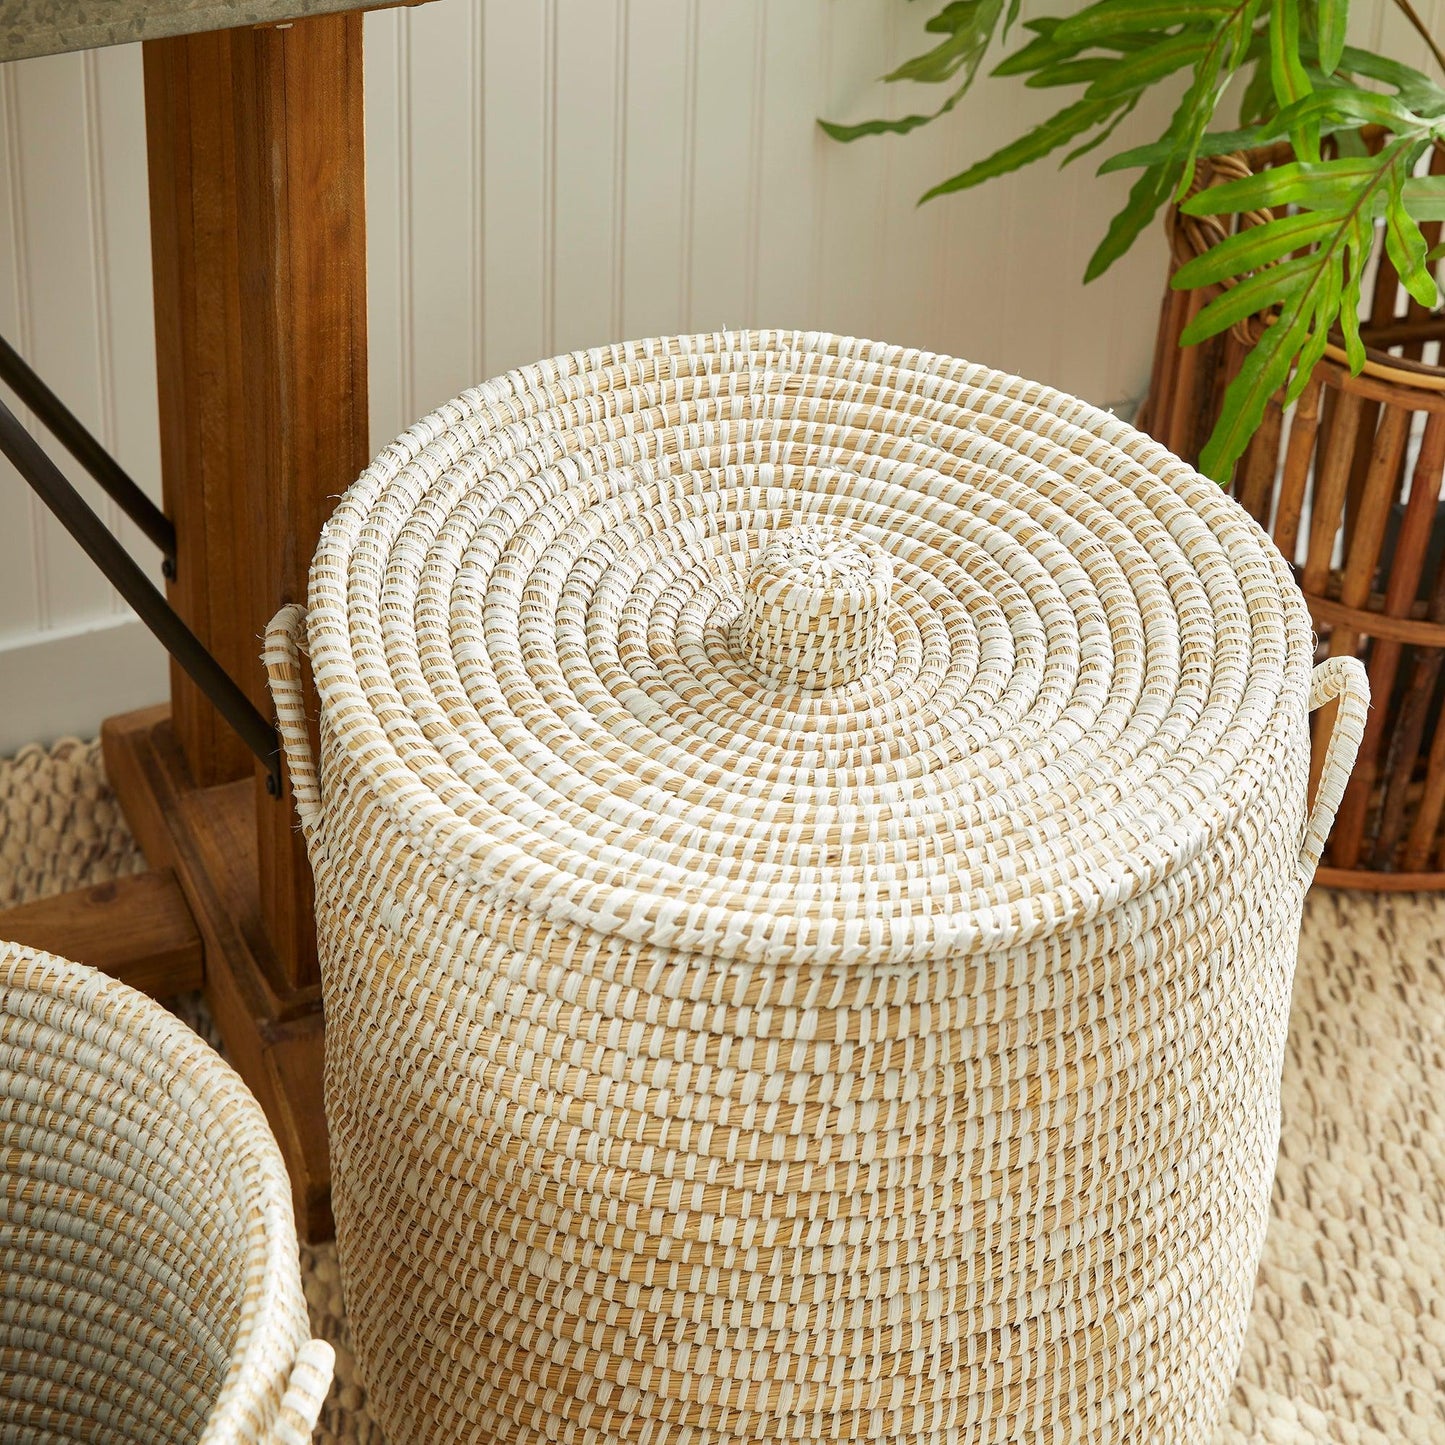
(1347,1339)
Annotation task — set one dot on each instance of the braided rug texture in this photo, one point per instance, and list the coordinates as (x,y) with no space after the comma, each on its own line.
(809,863)
(1346,1340)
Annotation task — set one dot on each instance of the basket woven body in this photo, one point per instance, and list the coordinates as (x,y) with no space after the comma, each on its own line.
(809,852)
(148,1268)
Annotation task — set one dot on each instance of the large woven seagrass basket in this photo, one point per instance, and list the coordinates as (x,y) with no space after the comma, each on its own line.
(150,1290)
(809,847)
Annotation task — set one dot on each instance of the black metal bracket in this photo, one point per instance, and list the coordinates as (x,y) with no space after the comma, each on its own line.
(67,429)
(53,488)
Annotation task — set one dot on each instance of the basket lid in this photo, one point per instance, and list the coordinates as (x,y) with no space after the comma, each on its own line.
(779,644)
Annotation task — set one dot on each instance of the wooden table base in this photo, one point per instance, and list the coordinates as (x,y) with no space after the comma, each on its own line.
(255,154)
(137,928)
(208,837)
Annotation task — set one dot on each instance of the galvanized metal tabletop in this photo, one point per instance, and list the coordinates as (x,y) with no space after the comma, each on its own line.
(43,27)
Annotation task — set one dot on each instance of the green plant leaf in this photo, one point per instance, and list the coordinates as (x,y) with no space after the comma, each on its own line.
(1359,245)
(1312,348)
(1097,140)
(970,27)
(1345,105)
(1250,249)
(1104,19)
(1212,143)
(1264,371)
(1322,185)
(901,126)
(1043,49)
(1080,71)
(1414,89)
(1256,100)
(1407,248)
(1146,195)
(1332,21)
(1049,136)
(1424,197)
(1226,49)
(1272,286)
(1350,143)
(1138,72)
(1319,289)
(1339,110)
(1288,76)
(1301,267)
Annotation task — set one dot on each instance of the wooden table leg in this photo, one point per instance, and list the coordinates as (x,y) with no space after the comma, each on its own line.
(258,235)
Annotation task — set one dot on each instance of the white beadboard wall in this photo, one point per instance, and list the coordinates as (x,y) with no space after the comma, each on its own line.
(544,175)
(560,173)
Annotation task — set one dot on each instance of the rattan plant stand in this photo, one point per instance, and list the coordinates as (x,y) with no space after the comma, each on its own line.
(1348,483)
(809,843)
(150,1289)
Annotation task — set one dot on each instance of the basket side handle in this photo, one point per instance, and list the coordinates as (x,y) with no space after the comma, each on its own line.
(1341,679)
(283,671)
(306,1390)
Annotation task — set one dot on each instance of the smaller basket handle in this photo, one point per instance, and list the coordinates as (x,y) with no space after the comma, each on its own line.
(283,671)
(295,1421)
(1343,679)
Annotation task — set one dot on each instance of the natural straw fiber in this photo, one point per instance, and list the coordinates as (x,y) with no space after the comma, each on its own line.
(150,1290)
(742,1026)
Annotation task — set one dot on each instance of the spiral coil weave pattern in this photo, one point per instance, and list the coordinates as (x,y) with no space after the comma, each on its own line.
(814,609)
(150,1290)
(809,860)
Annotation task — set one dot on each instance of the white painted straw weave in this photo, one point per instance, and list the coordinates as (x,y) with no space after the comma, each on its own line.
(150,1288)
(758,1014)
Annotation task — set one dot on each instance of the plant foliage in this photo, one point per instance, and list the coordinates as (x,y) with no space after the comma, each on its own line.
(1296,80)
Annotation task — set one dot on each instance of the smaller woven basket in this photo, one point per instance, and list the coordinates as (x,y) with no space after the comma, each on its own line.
(150,1289)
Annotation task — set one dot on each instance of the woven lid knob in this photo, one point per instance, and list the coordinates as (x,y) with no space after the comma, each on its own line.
(815,608)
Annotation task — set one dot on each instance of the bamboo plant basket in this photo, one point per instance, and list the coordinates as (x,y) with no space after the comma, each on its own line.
(809,845)
(148,1268)
(1348,482)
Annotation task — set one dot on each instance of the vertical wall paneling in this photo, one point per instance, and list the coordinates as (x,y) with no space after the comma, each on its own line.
(791,154)
(20,578)
(721,169)
(974,301)
(75,299)
(60,333)
(388,328)
(405,225)
(655,105)
(100,272)
(478,188)
(850,220)
(515,182)
(913,261)
(688,184)
(129,355)
(757,94)
(619,160)
(442,167)
(1096,319)
(549,175)
(588,85)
